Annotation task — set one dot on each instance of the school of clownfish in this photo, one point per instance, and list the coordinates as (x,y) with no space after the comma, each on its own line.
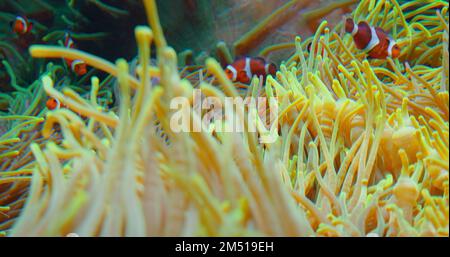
(376,42)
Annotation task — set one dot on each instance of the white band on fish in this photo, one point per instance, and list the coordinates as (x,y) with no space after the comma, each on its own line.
(355,29)
(70,43)
(75,63)
(391,45)
(374,41)
(58,104)
(233,70)
(266,68)
(247,68)
(25,25)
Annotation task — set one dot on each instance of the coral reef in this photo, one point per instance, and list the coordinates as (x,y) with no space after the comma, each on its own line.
(362,145)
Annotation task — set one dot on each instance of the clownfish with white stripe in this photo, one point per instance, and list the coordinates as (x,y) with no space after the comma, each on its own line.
(53,104)
(374,40)
(21,25)
(77,66)
(243,69)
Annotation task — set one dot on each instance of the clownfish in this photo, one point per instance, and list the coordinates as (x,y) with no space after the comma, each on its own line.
(244,68)
(21,25)
(53,104)
(77,66)
(374,40)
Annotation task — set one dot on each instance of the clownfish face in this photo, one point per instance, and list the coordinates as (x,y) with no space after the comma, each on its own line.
(53,104)
(236,75)
(79,67)
(232,73)
(21,25)
(395,51)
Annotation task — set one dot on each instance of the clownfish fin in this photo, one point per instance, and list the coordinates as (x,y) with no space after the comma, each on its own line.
(260,59)
(240,57)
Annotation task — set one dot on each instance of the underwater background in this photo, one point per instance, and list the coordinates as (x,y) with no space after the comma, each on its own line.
(362,133)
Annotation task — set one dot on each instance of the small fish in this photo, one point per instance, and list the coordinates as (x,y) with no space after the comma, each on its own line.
(244,68)
(53,104)
(21,25)
(374,40)
(77,66)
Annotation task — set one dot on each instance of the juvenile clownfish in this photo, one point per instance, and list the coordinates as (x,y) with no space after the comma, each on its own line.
(21,25)
(53,104)
(374,40)
(243,69)
(77,66)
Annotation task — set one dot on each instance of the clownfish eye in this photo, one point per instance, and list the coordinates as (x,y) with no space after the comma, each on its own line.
(395,51)
(52,104)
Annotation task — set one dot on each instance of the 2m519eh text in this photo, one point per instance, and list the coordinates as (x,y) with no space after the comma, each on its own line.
(246,247)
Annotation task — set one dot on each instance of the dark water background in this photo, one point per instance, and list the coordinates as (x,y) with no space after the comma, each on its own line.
(188,24)
(197,25)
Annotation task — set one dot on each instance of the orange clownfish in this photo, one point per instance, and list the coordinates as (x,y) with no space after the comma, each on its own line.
(244,68)
(374,40)
(21,25)
(53,104)
(77,66)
